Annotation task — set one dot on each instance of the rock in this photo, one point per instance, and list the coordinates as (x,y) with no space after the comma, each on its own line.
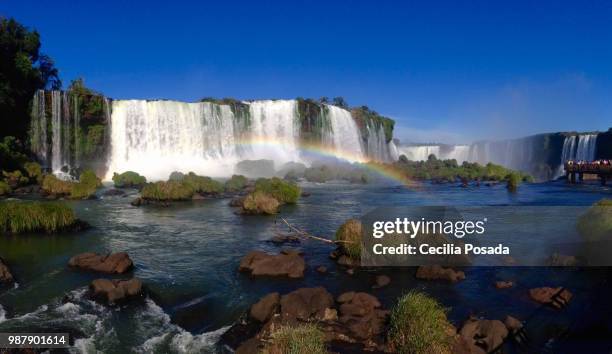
(435,272)
(512,324)
(561,260)
(483,336)
(236,202)
(137,202)
(545,295)
(504,284)
(281,238)
(322,269)
(198,196)
(306,304)
(258,203)
(381,281)
(263,310)
(305,194)
(347,261)
(250,346)
(115,263)
(361,314)
(330,315)
(115,291)
(350,271)
(287,263)
(5,274)
(114,192)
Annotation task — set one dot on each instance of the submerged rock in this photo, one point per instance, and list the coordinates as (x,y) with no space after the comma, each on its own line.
(483,336)
(381,281)
(548,296)
(288,263)
(562,260)
(282,238)
(114,192)
(115,263)
(437,272)
(5,274)
(504,284)
(115,291)
(321,269)
(512,324)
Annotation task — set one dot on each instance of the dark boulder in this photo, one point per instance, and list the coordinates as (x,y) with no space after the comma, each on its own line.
(381,281)
(115,291)
(551,296)
(115,263)
(288,263)
(482,336)
(305,304)
(263,310)
(5,274)
(361,315)
(504,284)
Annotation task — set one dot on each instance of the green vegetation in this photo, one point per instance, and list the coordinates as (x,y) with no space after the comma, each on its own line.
(596,224)
(283,191)
(34,171)
(128,179)
(202,184)
(260,203)
(23,70)
(85,188)
(299,339)
(94,140)
(349,235)
(12,152)
(419,325)
(513,181)
(15,179)
(236,183)
(19,217)
(450,171)
(167,191)
(365,117)
(55,186)
(353,173)
(5,189)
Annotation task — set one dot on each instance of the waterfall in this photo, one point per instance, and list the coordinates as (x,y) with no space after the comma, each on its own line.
(38,129)
(344,135)
(586,147)
(376,145)
(77,131)
(420,153)
(56,131)
(155,138)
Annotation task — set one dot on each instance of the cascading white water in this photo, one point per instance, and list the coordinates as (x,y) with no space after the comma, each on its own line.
(586,147)
(420,153)
(56,130)
(158,137)
(344,135)
(38,130)
(377,147)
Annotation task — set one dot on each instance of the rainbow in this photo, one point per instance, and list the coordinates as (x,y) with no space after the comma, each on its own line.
(322,150)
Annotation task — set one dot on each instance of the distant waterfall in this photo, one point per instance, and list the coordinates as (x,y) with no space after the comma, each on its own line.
(158,137)
(420,153)
(586,147)
(344,135)
(377,147)
(38,129)
(62,121)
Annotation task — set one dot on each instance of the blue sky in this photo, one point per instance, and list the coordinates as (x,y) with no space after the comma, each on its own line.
(446,71)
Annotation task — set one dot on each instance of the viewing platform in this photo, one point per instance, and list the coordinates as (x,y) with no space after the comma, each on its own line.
(578,169)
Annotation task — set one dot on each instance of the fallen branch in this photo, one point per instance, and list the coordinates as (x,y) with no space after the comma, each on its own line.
(304,234)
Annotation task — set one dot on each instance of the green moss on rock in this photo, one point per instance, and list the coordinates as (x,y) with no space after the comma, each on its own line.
(167,191)
(236,183)
(298,339)
(283,191)
(128,179)
(5,189)
(260,203)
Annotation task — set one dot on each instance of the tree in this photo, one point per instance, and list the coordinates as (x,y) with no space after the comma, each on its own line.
(23,70)
(340,102)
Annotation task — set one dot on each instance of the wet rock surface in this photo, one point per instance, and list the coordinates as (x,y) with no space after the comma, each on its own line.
(288,263)
(556,297)
(482,336)
(6,277)
(115,263)
(115,291)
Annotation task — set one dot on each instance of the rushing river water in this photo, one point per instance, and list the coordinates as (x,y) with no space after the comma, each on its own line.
(187,256)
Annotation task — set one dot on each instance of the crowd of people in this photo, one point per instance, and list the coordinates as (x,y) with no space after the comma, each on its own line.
(591,164)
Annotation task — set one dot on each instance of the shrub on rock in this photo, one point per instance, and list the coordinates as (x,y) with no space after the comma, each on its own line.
(15,178)
(419,325)
(283,191)
(55,186)
(21,217)
(202,184)
(260,203)
(350,235)
(34,171)
(166,191)
(302,338)
(128,179)
(236,183)
(87,185)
